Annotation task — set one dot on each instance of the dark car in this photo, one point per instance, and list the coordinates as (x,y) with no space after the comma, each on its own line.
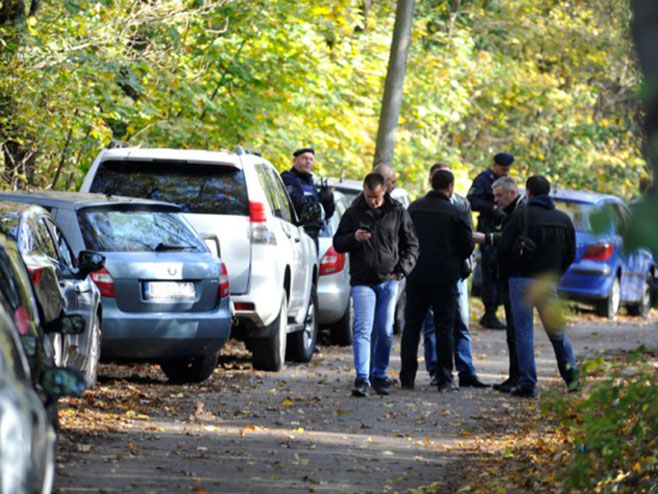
(61,282)
(604,273)
(165,297)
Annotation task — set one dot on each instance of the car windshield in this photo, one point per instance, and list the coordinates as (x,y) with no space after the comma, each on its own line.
(109,230)
(580,214)
(200,189)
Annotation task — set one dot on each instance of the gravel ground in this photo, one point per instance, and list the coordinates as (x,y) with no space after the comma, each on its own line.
(298,430)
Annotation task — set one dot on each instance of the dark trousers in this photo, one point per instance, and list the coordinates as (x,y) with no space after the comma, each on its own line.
(489,279)
(443,300)
(511,348)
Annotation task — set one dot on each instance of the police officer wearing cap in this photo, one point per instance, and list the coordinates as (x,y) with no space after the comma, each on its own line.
(312,206)
(481,198)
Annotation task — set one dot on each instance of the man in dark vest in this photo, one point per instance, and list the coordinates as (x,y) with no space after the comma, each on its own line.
(481,198)
(312,206)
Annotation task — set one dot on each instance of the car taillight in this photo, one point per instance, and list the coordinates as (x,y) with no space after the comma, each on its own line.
(223,283)
(22,321)
(332,262)
(599,252)
(36,275)
(104,282)
(257,212)
(259,232)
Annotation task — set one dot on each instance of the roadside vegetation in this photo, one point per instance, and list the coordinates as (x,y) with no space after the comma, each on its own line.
(554,82)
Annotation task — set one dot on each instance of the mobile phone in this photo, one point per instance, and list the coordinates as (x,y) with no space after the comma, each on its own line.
(364,226)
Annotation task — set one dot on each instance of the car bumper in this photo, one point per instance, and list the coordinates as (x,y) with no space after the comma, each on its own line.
(333,298)
(587,281)
(154,335)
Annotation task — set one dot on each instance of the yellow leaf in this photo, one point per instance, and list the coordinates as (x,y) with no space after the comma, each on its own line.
(287,403)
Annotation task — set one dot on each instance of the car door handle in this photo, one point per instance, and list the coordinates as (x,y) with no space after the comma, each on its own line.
(298,239)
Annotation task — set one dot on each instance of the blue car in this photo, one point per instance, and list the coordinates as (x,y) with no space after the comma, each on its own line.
(603,273)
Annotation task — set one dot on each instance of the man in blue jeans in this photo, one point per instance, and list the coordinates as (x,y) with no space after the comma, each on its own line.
(380,238)
(462,334)
(537,247)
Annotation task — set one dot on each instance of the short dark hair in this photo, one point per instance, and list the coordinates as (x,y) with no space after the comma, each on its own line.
(437,166)
(538,185)
(442,179)
(374,180)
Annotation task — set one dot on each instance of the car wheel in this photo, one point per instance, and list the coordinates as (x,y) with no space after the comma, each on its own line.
(302,343)
(341,331)
(91,365)
(398,325)
(193,370)
(269,354)
(643,307)
(610,305)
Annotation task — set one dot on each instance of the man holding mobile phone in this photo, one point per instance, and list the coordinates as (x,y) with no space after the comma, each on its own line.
(380,238)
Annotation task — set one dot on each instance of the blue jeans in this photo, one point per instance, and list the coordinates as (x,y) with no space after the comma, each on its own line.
(463,355)
(525,294)
(374,311)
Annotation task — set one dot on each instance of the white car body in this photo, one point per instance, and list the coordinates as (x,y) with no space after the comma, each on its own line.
(266,251)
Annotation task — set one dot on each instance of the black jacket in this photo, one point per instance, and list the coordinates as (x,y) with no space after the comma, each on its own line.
(481,197)
(392,249)
(446,239)
(302,190)
(494,237)
(552,232)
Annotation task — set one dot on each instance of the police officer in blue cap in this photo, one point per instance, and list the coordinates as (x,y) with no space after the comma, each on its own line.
(312,206)
(481,198)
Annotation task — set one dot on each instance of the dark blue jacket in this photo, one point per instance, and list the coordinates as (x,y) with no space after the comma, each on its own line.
(481,197)
(302,190)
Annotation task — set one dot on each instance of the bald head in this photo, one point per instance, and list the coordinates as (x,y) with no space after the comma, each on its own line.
(389,175)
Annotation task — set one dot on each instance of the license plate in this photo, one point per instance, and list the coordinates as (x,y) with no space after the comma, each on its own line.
(169,290)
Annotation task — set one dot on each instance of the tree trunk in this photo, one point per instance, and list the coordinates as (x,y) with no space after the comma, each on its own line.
(645,32)
(397,63)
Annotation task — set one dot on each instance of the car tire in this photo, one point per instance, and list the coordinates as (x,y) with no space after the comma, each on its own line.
(91,365)
(643,307)
(609,306)
(192,370)
(398,324)
(341,331)
(302,343)
(269,354)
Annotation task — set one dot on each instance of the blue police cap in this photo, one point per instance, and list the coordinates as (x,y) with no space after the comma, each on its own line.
(504,159)
(304,150)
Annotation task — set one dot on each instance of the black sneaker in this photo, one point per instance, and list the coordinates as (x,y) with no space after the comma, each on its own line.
(490,321)
(472,382)
(360,388)
(447,386)
(381,386)
(572,381)
(506,386)
(524,391)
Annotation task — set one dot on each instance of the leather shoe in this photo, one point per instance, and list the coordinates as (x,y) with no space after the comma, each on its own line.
(360,389)
(434,380)
(381,386)
(490,321)
(407,385)
(447,386)
(472,382)
(506,386)
(524,391)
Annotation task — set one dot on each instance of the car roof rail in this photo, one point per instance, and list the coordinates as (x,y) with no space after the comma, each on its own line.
(116,144)
(242,151)
(239,151)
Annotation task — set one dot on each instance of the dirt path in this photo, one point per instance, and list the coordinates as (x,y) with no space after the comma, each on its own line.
(298,430)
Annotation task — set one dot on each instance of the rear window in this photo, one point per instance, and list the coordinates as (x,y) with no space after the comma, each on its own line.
(199,189)
(107,230)
(579,213)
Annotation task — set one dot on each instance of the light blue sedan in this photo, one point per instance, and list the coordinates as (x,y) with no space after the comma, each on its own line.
(165,298)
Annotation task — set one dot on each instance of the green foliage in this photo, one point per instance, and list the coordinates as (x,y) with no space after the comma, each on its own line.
(614,429)
(552,81)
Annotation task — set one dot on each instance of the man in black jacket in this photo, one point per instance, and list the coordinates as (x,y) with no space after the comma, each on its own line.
(481,198)
(537,247)
(380,238)
(446,240)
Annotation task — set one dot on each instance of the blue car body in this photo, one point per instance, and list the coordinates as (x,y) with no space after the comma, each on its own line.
(602,265)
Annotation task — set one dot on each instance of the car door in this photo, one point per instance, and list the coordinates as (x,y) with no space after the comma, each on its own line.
(302,257)
(633,281)
(78,293)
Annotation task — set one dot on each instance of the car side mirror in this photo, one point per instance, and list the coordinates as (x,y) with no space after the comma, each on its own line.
(60,382)
(73,324)
(89,261)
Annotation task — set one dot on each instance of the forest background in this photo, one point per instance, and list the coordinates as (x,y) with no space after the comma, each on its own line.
(555,82)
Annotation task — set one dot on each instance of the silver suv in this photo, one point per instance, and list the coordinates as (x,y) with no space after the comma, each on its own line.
(239,199)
